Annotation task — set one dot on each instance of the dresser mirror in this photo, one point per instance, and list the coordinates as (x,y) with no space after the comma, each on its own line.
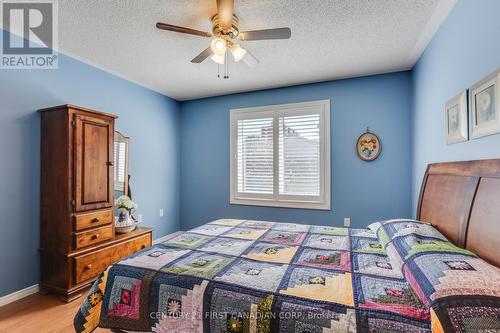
(121,176)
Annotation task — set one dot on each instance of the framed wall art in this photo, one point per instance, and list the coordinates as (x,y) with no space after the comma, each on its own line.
(368,146)
(457,129)
(485,106)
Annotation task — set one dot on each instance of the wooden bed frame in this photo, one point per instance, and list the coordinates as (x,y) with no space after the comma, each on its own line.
(462,200)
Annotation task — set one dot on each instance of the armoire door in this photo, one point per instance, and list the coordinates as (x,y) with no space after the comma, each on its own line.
(93,148)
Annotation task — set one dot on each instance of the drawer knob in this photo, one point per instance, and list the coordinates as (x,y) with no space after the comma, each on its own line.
(95,236)
(143,246)
(95,220)
(89,266)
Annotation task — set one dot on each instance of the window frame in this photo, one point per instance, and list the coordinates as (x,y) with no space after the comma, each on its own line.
(321,202)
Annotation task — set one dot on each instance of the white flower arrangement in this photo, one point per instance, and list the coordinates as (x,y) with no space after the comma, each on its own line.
(126,203)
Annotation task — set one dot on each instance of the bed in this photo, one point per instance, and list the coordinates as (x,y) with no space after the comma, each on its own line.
(437,274)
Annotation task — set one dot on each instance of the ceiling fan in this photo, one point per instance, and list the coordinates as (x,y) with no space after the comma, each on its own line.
(225,35)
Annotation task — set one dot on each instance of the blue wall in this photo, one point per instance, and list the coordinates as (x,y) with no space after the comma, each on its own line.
(363,191)
(465,49)
(149,118)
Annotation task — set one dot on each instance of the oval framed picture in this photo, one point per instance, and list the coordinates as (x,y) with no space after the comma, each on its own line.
(368,146)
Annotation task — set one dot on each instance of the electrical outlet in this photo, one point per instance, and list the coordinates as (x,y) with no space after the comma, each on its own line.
(139,218)
(161,212)
(347,221)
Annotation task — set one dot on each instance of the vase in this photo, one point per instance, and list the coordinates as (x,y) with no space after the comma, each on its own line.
(124,217)
(124,223)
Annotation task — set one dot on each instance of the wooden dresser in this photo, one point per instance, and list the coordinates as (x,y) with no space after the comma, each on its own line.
(78,238)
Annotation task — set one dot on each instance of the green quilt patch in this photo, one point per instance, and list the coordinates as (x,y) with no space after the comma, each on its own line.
(436,246)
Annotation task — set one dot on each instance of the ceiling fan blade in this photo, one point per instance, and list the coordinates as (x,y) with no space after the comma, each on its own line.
(279,33)
(183,30)
(250,60)
(202,56)
(225,9)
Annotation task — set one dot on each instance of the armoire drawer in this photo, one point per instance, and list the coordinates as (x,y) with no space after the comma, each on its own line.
(93,219)
(93,236)
(90,265)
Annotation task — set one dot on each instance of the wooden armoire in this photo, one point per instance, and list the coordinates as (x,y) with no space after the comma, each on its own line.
(78,239)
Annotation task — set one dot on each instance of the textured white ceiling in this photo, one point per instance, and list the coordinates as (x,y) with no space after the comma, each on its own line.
(330,40)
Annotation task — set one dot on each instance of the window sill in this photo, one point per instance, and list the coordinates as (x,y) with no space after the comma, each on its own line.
(281,204)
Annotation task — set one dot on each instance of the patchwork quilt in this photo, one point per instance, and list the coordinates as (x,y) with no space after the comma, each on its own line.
(260,276)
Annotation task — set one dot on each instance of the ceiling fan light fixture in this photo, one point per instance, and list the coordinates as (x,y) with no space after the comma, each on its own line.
(218,46)
(238,52)
(218,58)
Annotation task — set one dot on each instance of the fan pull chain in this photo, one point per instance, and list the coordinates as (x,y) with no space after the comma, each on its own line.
(226,62)
(218,71)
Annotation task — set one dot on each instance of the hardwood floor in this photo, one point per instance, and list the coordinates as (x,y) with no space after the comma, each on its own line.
(41,314)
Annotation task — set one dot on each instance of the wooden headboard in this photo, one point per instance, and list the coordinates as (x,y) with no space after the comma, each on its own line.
(462,200)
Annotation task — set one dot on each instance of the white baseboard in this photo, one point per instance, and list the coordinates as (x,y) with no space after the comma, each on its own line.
(167,237)
(18,295)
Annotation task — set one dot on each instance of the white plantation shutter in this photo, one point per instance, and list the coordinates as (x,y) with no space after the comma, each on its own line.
(255,155)
(280,155)
(119,170)
(299,155)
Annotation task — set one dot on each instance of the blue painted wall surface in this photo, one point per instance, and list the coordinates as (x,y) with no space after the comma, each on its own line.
(149,118)
(364,191)
(465,49)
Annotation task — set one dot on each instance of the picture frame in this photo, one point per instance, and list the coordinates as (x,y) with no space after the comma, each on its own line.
(457,124)
(368,146)
(485,106)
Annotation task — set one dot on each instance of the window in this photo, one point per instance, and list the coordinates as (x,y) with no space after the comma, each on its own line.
(280,155)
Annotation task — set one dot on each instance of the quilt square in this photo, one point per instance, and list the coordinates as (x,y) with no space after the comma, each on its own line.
(188,240)
(408,227)
(366,233)
(284,237)
(372,321)
(126,304)
(320,285)
(391,295)
(298,315)
(245,233)
(229,246)
(257,224)
(366,245)
(329,259)
(270,252)
(199,264)
(327,242)
(88,315)
(235,310)
(227,222)
(317,229)
(471,314)
(292,227)
(254,274)
(155,257)
(439,273)
(211,229)
(177,304)
(410,245)
(375,264)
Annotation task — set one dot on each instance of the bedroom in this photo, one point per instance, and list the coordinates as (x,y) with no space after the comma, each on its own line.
(420,76)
